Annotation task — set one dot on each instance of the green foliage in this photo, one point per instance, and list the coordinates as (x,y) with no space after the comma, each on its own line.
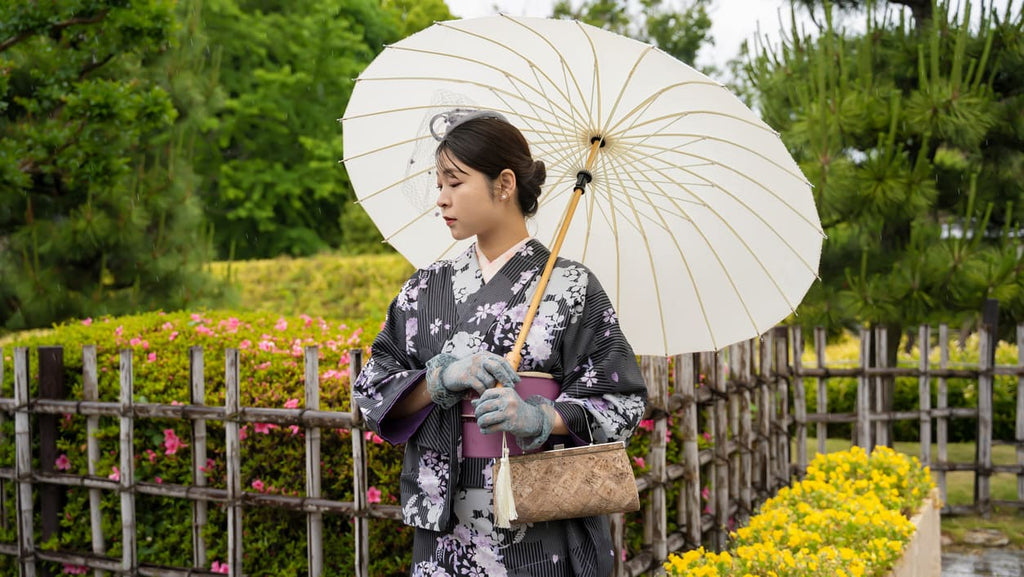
(271,369)
(331,286)
(274,185)
(680,33)
(90,222)
(907,136)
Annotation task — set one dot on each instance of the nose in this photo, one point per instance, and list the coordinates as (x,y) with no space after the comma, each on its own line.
(443,199)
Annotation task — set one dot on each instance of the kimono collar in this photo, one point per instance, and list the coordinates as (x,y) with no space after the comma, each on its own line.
(489,268)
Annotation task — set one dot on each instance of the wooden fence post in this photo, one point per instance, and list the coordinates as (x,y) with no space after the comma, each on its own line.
(688,515)
(23,466)
(882,425)
(820,347)
(655,372)
(763,462)
(720,409)
(361,528)
(314,520)
(988,337)
(91,392)
(924,393)
(3,486)
(200,511)
(1020,413)
(234,463)
(129,545)
(780,409)
(744,375)
(941,424)
(51,386)
(864,392)
(799,402)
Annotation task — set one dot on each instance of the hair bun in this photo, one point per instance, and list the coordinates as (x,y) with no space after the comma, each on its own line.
(539,173)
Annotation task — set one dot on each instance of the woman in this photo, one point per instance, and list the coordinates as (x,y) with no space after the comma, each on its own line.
(443,342)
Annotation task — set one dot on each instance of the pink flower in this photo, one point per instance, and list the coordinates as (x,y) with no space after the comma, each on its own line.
(266,346)
(291,404)
(171,442)
(705,493)
(219,567)
(258,485)
(264,428)
(116,475)
(87,321)
(177,403)
(373,495)
(197,317)
(136,341)
(173,336)
(647,424)
(167,326)
(204,330)
(151,455)
(75,569)
(151,357)
(668,435)
(209,466)
(707,436)
(282,324)
(639,462)
(371,436)
(243,432)
(62,463)
(158,480)
(295,429)
(119,330)
(246,343)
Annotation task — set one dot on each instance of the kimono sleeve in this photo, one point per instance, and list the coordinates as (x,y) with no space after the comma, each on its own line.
(392,371)
(603,392)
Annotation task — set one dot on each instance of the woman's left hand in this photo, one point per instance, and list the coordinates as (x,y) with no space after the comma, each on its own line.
(502,409)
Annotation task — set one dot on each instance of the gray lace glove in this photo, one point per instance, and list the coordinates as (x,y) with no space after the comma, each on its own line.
(449,378)
(530,421)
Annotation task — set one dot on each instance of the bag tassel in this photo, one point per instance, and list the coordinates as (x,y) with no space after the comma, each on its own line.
(504,501)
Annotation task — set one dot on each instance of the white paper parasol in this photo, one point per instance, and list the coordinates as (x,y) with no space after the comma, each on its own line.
(697,221)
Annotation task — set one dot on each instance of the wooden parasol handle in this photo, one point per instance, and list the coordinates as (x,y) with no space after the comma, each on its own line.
(515,356)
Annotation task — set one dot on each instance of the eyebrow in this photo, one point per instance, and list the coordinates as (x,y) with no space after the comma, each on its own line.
(447,166)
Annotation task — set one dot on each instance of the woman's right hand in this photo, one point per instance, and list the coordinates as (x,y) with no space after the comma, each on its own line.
(448,378)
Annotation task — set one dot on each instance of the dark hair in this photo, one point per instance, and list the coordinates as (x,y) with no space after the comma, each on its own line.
(491,145)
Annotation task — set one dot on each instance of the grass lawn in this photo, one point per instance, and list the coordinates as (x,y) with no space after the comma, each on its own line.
(960,487)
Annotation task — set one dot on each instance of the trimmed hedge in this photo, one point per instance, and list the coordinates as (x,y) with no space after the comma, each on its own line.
(273,458)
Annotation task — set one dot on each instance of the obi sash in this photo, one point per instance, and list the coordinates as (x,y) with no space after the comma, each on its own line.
(476,444)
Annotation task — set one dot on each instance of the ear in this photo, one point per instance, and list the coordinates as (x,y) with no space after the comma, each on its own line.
(507,182)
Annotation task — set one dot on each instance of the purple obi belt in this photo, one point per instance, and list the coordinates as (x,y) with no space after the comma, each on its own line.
(477,444)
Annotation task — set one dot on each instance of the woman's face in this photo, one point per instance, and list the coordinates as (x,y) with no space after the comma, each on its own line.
(467,199)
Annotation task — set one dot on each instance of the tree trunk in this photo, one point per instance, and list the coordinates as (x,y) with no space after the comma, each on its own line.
(920,9)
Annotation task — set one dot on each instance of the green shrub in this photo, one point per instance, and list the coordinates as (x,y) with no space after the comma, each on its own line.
(273,459)
(325,285)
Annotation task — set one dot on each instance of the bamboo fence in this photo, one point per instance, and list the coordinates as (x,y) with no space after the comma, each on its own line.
(736,416)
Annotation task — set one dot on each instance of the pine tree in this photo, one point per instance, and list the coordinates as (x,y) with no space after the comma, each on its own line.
(90,222)
(911,134)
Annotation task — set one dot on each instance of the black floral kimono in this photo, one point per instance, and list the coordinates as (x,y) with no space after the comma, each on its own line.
(575,337)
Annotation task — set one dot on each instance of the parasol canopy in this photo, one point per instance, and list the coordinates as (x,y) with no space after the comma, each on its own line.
(697,221)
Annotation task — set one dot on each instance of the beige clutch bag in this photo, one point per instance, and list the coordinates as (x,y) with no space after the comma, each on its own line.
(575,482)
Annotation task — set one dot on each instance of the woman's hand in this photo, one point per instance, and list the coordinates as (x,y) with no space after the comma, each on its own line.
(503,409)
(449,378)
